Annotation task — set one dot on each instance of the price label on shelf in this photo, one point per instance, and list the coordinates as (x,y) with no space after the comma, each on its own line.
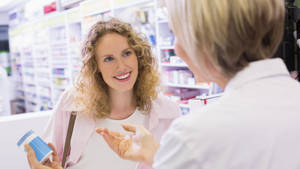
(92,7)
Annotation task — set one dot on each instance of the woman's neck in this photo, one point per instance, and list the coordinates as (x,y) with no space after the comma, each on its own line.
(122,104)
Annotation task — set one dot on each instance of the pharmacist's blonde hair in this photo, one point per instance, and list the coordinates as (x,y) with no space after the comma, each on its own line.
(92,95)
(227,34)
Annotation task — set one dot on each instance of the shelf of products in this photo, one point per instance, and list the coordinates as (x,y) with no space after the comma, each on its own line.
(178,80)
(18,105)
(59,54)
(173,65)
(43,65)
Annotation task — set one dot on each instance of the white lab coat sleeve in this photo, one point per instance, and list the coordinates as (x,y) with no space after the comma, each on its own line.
(174,152)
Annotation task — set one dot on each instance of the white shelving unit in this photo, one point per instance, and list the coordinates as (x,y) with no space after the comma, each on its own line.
(74,39)
(17,73)
(183,65)
(58,47)
(28,64)
(178,80)
(43,64)
(165,47)
(204,86)
(54,45)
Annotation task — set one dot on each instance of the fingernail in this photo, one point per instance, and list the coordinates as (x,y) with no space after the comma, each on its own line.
(99,131)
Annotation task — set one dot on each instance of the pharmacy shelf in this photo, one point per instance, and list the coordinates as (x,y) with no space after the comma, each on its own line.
(166,47)
(175,69)
(44,95)
(163,21)
(128,3)
(173,65)
(185,106)
(206,87)
(59,87)
(59,76)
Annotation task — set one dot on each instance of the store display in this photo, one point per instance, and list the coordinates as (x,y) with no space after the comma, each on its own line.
(179,80)
(18,104)
(141,16)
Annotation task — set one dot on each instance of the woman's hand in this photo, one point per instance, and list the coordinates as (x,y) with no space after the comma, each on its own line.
(34,164)
(140,146)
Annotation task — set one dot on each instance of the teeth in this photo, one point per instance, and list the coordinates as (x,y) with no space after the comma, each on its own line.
(122,77)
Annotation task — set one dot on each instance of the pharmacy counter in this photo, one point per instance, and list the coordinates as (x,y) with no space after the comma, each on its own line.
(12,128)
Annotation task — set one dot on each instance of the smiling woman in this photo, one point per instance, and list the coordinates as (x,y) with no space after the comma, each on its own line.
(112,50)
(117,63)
(117,84)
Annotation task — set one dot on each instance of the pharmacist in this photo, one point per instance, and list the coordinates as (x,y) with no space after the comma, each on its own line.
(255,124)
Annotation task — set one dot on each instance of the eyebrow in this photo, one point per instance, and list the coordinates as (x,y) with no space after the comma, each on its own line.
(112,54)
(126,49)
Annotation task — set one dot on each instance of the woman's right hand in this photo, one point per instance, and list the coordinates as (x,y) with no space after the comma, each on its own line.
(139,146)
(34,164)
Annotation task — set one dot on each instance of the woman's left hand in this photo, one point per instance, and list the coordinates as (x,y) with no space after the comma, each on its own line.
(140,146)
(34,164)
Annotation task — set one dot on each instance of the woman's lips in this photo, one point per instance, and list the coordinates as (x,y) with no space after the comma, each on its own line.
(123,77)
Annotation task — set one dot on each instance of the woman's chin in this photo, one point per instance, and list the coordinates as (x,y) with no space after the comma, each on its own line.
(123,88)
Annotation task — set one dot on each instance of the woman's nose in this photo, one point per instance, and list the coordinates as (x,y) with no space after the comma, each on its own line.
(121,64)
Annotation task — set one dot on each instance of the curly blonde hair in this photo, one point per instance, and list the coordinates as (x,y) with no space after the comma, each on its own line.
(91,90)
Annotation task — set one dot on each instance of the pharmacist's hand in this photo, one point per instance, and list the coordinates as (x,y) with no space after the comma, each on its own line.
(140,146)
(34,164)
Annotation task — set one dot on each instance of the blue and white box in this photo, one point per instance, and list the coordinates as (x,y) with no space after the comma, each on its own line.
(41,149)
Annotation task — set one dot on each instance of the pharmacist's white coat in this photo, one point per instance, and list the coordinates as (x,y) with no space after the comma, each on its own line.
(254,125)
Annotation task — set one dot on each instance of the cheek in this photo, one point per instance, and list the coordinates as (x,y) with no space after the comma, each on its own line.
(105,71)
(134,63)
(180,52)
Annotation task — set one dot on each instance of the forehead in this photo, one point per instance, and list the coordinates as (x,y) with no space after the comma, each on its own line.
(111,42)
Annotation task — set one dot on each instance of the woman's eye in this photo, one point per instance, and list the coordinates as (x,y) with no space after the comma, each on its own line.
(128,53)
(108,59)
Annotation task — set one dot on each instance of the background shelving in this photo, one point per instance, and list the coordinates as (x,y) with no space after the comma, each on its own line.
(48,61)
(179,81)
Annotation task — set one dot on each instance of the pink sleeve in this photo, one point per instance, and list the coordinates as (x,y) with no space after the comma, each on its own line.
(163,113)
(166,111)
(56,128)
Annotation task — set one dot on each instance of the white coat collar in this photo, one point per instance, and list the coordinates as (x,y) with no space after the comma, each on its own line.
(257,70)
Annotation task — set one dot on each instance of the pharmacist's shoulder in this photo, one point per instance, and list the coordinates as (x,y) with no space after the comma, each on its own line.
(165,107)
(203,126)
